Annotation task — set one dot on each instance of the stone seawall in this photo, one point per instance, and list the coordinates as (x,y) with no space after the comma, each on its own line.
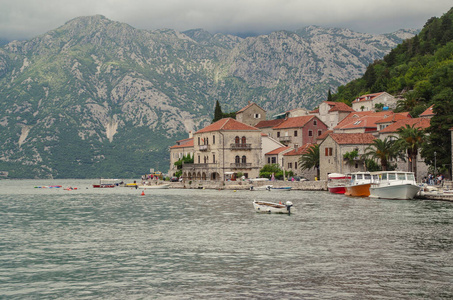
(245,185)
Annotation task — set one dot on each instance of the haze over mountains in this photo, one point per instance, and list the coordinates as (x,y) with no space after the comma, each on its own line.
(96,97)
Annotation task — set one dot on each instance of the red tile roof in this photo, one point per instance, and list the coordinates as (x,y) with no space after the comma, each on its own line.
(367,97)
(417,122)
(367,119)
(429,112)
(352,138)
(296,122)
(324,134)
(340,106)
(227,124)
(249,105)
(300,150)
(187,143)
(269,123)
(277,151)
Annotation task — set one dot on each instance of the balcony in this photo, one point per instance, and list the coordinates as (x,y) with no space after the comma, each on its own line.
(285,139)
(204,147)
(241,165)
(241,146)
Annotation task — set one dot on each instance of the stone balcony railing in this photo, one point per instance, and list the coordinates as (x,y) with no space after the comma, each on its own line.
(240,165)
(239,146)
(286,139)
(204,147)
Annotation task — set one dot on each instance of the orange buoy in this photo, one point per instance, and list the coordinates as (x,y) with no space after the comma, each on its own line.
(143,193)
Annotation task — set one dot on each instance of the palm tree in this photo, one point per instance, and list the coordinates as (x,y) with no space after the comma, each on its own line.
(383,150)
(310,159)
(411,139)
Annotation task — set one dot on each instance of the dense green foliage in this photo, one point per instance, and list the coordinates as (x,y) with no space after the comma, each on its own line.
(310,159)
(269,169)
(421,69)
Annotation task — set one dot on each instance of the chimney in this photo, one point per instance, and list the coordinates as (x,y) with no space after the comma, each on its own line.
(296,147)
(190,134)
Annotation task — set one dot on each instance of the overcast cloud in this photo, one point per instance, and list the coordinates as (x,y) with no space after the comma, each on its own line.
(21,19)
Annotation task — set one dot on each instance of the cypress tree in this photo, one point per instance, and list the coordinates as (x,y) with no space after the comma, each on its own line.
(329,96)
(217,112)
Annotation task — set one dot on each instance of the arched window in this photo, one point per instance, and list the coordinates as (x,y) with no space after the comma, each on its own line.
(237,160)
(244,140)
(236,140)
(244,159)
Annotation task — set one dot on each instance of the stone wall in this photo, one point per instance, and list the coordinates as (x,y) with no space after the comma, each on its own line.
(245,185)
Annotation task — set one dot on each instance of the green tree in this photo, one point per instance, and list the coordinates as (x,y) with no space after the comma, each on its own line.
(329,96)
(310,159)
(217,112)
(384,150)
(411,140)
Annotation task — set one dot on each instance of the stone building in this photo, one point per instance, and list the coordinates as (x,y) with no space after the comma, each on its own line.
(291,162)
(368,102)
(251,115)
(332,113)
(182,148)
(224,148)
(299,130)
(335,145)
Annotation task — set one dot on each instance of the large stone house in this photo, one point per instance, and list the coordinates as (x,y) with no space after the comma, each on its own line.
(291,162)
(224,148)
(251,115)
(335,146)
(368,102)
(267,127)
(299,130)
(332,113)
(276,156)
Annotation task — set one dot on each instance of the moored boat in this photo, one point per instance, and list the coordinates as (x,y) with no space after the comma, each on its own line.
(281,188)
(394,185)
(336,183)
(157,186)
(108,183)
(261,188)
(271,207)
(359,184)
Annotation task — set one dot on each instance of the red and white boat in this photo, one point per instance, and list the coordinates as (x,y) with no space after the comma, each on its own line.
(336,183)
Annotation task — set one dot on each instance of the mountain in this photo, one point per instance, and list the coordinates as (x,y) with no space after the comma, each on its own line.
(97,98)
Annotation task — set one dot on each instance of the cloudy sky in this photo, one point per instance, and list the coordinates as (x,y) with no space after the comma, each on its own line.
(22,19)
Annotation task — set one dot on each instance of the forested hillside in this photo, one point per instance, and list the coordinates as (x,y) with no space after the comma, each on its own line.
(421,70)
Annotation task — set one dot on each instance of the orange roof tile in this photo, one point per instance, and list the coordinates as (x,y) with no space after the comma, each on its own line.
(277,151)
(429,112)
(352,138)
(417,122)
(363,120)
(324,134)
(227,124)
(247,106)
(367,97)
(188,143)
(300,150)
(269,123)
(340,106)
(393,117)
(296,122)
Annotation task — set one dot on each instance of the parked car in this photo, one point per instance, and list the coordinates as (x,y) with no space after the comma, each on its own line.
(174,179)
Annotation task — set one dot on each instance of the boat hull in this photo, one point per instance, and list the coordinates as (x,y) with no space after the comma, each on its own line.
(337,189)
(397,192)
(150,187)
(283,188)
(359,190)
(270,207)
(103,185)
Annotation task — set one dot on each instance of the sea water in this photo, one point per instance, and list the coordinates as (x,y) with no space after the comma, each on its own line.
(210,244)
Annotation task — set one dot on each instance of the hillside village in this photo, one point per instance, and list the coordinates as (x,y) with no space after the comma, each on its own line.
(244,145)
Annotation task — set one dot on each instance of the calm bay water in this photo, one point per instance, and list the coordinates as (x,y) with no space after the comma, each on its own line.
(209,244)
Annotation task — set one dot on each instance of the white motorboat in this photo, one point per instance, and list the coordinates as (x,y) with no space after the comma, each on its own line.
(261,188)
(270,207)
(394,185)
(157,186)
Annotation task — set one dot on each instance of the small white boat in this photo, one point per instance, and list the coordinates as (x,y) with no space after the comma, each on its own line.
(394,185)
(158,186)
(270,207)
(281,188)
(261,188)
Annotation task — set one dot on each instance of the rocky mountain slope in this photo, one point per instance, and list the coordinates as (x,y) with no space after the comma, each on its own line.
(100,98)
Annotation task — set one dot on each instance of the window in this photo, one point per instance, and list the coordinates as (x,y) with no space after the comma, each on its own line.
(295,132)
(295,165)
(213,158)
(237,159)
(198,140)
(290,165)
(236,140)
(268,160)
(328,151)
(244,140)
(206,142)
(257,116)
(319,132)
(278,133)
(310,133)
(213,139)
(204,159)
(198,158)
(244,159)
(274,160)
(315,122)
